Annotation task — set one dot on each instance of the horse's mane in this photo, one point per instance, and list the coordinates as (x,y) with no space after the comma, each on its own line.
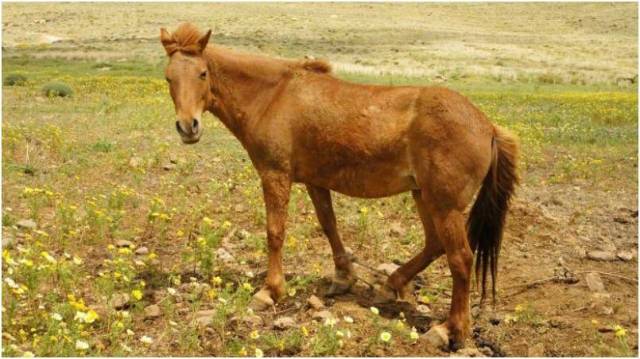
(186,36)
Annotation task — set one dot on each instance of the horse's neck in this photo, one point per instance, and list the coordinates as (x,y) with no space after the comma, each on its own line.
(243,86)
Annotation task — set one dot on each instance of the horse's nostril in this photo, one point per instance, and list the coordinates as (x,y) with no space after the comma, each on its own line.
(195,125)
(178,128)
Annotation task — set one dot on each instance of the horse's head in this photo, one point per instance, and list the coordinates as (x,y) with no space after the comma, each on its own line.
(188,76)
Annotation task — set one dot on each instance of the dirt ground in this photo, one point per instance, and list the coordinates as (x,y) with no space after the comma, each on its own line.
(563,236)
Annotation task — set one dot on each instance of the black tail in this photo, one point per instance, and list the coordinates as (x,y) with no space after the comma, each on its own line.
(486,221)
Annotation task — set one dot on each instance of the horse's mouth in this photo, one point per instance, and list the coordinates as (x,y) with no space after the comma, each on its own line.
(190,140)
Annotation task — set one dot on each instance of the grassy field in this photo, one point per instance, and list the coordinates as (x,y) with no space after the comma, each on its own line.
(121,209)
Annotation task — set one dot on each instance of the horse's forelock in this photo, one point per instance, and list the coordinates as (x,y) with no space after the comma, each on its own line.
(185,39)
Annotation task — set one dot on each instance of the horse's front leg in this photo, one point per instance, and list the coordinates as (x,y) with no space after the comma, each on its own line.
(276,187)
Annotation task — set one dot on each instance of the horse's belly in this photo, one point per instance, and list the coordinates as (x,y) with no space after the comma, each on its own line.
(364,181)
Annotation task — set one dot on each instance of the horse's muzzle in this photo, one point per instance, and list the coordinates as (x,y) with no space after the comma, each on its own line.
(192,135)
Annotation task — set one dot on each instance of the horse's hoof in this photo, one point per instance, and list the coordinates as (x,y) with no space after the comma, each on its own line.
(262,300)
(384,294)
(339,286)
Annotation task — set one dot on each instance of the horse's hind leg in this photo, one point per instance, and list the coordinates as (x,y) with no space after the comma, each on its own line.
(344,278)
(450,227)
(432,250)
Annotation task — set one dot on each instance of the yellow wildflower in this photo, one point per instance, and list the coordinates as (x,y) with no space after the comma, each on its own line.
(254,335)
(137,294)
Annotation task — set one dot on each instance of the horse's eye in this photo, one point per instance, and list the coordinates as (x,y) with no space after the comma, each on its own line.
(166,78)
(203,75)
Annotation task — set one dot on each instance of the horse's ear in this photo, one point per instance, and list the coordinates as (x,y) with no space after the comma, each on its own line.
(166,39)
(204,40)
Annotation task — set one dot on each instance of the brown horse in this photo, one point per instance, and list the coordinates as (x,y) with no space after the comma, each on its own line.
(299,123)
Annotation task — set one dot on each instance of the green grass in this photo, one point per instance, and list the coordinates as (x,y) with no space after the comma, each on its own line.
(66,163)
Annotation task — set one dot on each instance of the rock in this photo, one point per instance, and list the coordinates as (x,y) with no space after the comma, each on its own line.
(124,243)
(323,315)
(261,300)
(152,311)
(468,352)
(475,311)
(625,255)
(135,162)
(579,252)
(388,268)
(204,317)
(536,350)
(423,309)
(8,240)
(487,351)
(602,256)
(142,251)
(242,234)
(239,208)
(26,224)
(594,282)
(436,337)
(396,229)
(168,166)
(605,310)
(283,323)
(173,158)
(224,256)
(120,300)
(315,302)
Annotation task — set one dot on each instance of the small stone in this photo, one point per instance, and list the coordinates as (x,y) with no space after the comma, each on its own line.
(169,166)
(602,256)
(283,323)
(142,251)
(152,311)
(173,158)
(8,240)
(396,229)
(437,337)
(242,234)
(594,282)
(388,268)
(26,224)
(606,310)
(204,317)
(475,311)
(536,351)
(135,162)
(315,302)
(124,243)
(468,352)
(579,252)
(487,351)
(423,309)
(239,208)
(224,256)
(120,300)
(323,315)
(625,255)
(261,300)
